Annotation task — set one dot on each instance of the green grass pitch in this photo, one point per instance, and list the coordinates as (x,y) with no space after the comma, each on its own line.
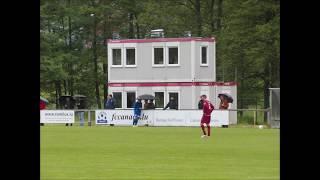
(101,153)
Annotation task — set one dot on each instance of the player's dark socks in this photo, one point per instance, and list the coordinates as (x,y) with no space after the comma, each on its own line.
(208,130)
(203,130)
(135,122)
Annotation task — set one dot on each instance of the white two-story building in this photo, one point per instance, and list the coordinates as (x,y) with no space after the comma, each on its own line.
(183,68)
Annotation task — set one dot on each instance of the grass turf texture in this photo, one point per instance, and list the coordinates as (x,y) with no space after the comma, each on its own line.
(96,153)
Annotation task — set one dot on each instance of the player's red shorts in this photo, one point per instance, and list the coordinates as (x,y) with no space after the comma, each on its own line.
(205,119)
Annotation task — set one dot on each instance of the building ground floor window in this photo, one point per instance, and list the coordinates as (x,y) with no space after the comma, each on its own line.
(175,96)
(117,96)
(131,98)
(159,99)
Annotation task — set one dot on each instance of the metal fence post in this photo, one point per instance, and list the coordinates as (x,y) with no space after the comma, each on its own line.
(254,118)
(81,117)
(256,111)
(89,118)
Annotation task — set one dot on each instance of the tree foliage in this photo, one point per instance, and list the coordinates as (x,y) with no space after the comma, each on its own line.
(74,32)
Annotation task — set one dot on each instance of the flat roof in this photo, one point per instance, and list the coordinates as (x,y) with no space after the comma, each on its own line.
(207,39)
(153,84)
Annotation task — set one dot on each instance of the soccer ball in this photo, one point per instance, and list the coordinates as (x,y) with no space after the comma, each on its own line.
(260,126)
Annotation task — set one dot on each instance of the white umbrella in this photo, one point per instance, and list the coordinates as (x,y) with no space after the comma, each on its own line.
(44,99)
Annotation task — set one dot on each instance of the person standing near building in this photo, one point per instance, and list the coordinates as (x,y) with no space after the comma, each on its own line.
(136,112)
(69,105)
(171,104)
(110,104)
(151,104)
(146,105)
(224,104)
(200,103)
(206,117)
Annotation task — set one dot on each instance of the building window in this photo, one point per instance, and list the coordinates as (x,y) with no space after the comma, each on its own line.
(130,56)
(204,55)
(175,96)
(131,97)
(118,99)
(159,99)
(116,56)
(173,55)
(158,56)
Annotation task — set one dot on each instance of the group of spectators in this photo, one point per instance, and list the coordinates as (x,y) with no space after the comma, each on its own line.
(148,104)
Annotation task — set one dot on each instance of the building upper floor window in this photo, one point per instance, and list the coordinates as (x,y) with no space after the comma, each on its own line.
(204,59)
(204,55)
(173,56)
(130,56)
(116,56)
(158,56)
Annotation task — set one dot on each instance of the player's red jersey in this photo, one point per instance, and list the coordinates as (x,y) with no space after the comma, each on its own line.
(207,109)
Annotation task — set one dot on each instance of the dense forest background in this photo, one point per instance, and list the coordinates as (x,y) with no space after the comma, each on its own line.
(73,49)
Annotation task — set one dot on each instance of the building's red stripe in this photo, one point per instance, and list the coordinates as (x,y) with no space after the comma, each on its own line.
(152,84)
(161,40)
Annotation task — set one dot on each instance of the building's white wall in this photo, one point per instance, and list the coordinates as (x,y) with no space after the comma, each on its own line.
(189,64)
(205,73)
(144,71)
(186,98)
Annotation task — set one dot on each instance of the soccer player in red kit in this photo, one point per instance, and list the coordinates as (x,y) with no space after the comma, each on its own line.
(206,117)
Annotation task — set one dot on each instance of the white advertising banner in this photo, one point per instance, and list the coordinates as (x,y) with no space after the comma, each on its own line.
(122,117)
(169,118)
(219,118)
(57,116)
(193,117)
(161,118)
(189,118)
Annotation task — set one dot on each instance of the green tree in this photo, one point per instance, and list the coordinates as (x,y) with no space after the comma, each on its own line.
(249,41)
(74,37)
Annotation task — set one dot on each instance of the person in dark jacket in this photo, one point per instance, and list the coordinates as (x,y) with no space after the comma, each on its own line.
(200,103)
(69,105)
(172,104)
(110,104)
(151,104)
(146,105)
(137,106)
